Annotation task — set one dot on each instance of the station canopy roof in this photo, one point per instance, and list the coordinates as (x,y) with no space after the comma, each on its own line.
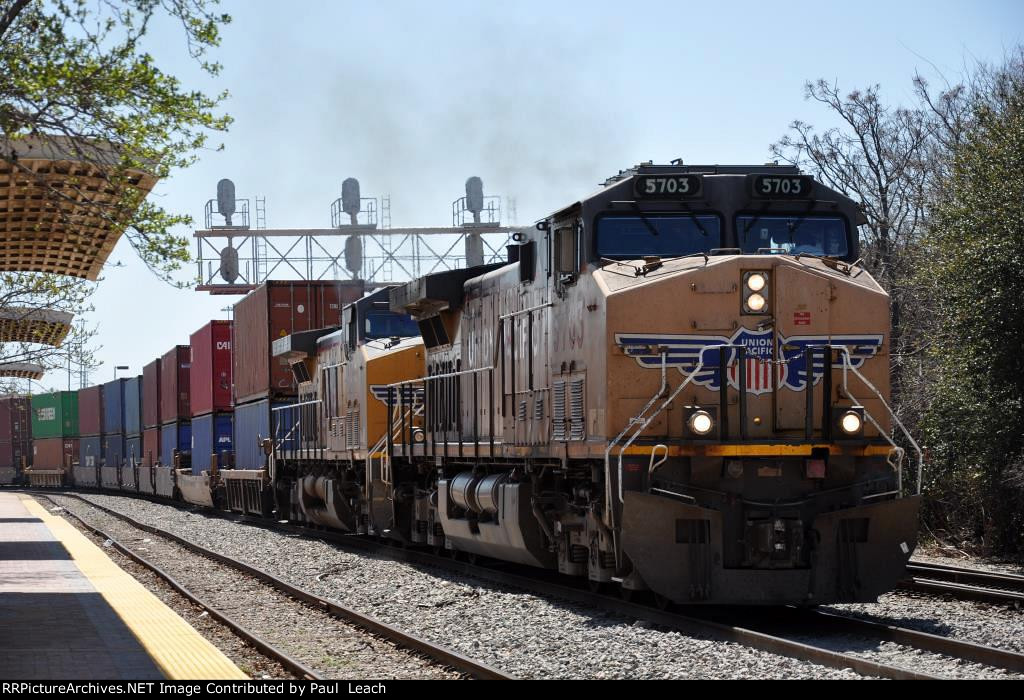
(24,325)
(21,370)
(60,211)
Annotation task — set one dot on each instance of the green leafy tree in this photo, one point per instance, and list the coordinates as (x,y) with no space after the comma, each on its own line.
(75,75)
(75,71)
(974,273)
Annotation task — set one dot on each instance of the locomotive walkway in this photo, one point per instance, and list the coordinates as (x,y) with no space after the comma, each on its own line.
(68,612)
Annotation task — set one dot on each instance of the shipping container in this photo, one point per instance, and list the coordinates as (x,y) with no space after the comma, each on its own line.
(55,414)
(252,425)
(133,406)
(54,453)
(274,310)
(113,406)
(150,446)
(133,449)
(174,384)
(15,418)
(210,376)
(90,411)
(151,378)
(211,434)
(113,449)
(16,454)
(90,451)
(175,436)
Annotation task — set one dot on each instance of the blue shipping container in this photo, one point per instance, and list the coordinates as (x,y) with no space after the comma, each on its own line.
(113,449)
(133,406)
(252,424)
(90,451)
(113,406)
(175,436)
(133,449)
(211,434)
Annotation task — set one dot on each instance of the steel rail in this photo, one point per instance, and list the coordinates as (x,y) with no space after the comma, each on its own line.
(962,591)
(263,646)
(975,577)
(687,624)
(979,653)
(440,654)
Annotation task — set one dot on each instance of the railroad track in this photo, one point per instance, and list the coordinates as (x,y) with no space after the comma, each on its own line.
(768,631)
(500,573)
(970,584)
(438,653)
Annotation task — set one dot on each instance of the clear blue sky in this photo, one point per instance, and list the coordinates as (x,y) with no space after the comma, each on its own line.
(541,99)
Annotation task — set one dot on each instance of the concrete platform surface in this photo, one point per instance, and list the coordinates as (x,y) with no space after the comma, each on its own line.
(67,612)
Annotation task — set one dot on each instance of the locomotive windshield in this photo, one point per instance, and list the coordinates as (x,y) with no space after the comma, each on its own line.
(665,236)
(384,324)
(816,235)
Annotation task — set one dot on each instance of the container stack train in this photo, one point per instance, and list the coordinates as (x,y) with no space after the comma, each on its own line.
(678,384)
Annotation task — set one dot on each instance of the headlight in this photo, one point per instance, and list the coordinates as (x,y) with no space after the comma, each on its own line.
(756,282)
(851,422)
(701,423)
(755,302)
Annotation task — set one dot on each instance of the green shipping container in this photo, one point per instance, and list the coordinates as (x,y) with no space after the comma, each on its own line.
(55,415)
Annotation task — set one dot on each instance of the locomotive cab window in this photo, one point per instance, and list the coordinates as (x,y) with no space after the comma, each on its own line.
(631,236)
(383,324)
(814,235)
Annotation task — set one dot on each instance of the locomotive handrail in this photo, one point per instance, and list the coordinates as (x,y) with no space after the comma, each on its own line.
(848,363)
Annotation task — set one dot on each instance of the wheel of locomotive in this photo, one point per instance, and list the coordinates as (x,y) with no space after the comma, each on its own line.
(661,602)
(596,586)
(473,558)
(627,594)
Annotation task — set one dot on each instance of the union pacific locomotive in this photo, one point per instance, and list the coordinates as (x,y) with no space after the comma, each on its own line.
(677,384)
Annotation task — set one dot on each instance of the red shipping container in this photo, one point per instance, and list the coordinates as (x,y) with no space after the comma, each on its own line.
(54,453)
(15,419)
(151,394)
(274,310)
(210,376)
(90,410)
(174,384)
(150,446)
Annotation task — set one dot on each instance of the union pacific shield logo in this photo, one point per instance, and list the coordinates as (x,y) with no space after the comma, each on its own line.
(412,395)
(685,352)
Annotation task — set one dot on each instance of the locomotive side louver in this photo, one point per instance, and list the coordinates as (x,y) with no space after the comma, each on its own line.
(577,425)
(558,410)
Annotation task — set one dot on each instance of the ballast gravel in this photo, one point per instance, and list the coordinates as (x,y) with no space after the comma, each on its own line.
(536,637)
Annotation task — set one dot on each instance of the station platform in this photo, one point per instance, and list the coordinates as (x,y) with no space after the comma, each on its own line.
(67,612)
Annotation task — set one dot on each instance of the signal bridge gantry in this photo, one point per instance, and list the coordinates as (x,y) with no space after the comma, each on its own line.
(234,257)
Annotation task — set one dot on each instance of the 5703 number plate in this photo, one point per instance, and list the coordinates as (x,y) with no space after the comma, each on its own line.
(667,186)
(782,186)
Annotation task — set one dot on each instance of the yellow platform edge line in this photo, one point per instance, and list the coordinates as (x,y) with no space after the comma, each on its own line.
(178,650)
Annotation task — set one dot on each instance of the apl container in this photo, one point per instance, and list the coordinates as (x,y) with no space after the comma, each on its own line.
(150,454)
(113,406)
(252,425)
(55,414)
(90,410)
(113,449)
(54,453)
(175,436)
(133,406)
(151,394)
(211,435)
(90,451)
(274,310)
(210,376)
(174,384)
